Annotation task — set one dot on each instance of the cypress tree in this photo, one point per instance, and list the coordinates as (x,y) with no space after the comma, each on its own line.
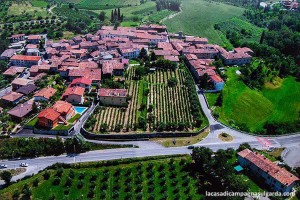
(112,16)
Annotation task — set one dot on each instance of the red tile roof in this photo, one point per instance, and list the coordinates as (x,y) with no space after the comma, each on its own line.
(109,66)
(26,58)
(82,80)
(62,106)
(12,96)
(13,71)
(278,173)
(45,92)
(74,91)
(216,78)
(104,92)
(50,114)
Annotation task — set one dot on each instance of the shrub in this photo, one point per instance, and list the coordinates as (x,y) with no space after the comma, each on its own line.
(80,184)
(35,182)
(56,181)
(46,175)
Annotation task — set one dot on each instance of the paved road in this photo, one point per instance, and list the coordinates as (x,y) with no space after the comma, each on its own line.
(148,148)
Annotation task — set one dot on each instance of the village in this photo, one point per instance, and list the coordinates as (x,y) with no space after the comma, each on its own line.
(52,83)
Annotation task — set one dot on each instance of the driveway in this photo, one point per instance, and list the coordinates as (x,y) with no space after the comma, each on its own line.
(291,156)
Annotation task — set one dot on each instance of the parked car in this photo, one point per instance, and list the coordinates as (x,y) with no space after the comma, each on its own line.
(3,166)
(24,164)
(191,147)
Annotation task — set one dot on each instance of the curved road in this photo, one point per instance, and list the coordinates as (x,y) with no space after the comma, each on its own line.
(148,148)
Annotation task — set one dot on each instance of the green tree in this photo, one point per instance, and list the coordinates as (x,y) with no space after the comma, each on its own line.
(3,66)
(6,176)
(140,71)
(143,54)
(172,82)
(102,16)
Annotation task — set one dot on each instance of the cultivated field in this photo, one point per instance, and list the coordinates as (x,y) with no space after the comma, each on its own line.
(153,179)
(165,104)
(242,105)
(198,18)
(25,7)
(95,5)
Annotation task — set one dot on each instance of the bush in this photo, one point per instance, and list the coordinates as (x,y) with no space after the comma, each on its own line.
(56,181)
(80,184)
(35,182)
(46,175)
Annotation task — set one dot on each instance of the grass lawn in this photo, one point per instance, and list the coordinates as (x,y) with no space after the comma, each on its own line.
(181,141)
(62,127)
(198,18)
(73,119)
(39,3)
(26,8)
(211,98)
(155,178)
(33,122)
(95,5)
(242,105)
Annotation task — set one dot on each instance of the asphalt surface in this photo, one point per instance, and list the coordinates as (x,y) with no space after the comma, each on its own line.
(149,148)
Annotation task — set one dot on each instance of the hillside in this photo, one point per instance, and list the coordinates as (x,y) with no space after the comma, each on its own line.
(198,18)
(251,109)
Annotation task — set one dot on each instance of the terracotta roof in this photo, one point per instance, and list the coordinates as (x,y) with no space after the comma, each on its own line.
(45,92)
(34,37)
(103,92)
(74,91)
(278,173)
(62,106)
(26,58)
(216,78)
(109,66)
(31,46)
(172,58)
(22,109)
(12,96)
(21,81)
(50,114)
(13,70)
(82,80)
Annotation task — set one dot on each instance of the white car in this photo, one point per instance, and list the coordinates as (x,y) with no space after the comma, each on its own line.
(3,166)
(24,164)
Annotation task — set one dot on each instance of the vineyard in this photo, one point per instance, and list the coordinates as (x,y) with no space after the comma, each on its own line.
(154,105)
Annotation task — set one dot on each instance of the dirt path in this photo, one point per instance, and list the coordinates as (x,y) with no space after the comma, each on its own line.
(170,16)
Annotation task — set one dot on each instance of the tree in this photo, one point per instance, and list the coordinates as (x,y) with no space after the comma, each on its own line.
(6,176)
(172,82)
(262,37)
(244,146)
(3,65)
(201,156)
(102,16)
(143,54)
(153,56)
(140,71)
(119,14)
(204,81)
(112,16)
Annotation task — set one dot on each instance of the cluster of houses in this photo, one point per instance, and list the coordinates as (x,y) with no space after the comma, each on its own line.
(200,55)
(84,60)
(277,178)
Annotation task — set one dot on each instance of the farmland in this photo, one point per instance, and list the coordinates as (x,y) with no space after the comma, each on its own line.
(103,4)
(198,18)
(154,178)
(163,105)
(253,108)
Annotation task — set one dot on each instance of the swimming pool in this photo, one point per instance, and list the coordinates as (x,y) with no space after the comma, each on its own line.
(80,110)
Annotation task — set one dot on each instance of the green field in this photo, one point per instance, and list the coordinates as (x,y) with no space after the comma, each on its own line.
(248,31)
(157,178)
(242,105)
(96,5)
(24,8)
(198,18)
